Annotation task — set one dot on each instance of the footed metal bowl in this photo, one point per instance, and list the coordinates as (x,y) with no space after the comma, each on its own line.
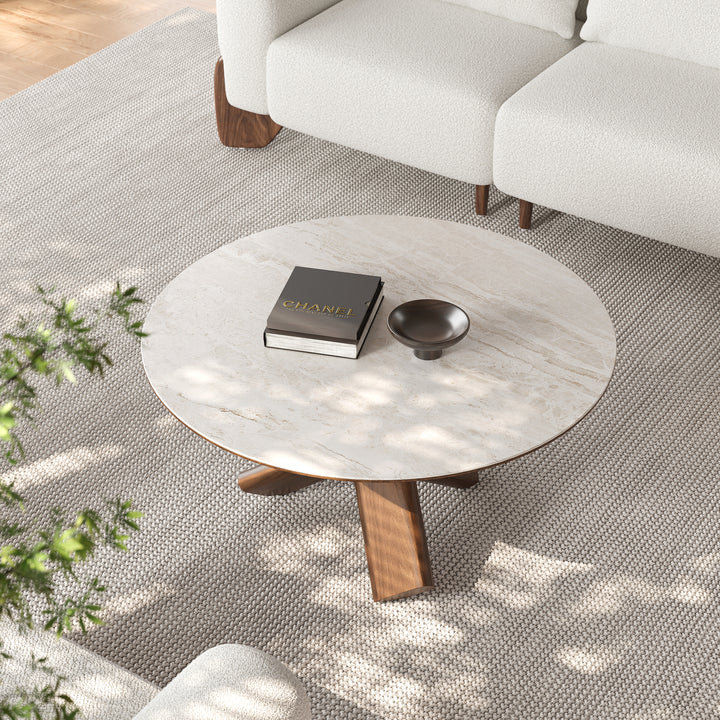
(428,326)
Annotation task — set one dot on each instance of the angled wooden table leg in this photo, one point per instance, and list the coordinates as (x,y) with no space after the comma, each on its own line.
(464,481)
(395,545)
(263,480)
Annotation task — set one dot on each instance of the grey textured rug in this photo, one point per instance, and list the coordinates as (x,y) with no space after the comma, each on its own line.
(581,581)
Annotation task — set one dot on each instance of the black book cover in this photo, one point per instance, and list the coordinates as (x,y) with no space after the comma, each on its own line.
(324,304)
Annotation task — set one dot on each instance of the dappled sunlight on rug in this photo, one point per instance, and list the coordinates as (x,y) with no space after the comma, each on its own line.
(579,581)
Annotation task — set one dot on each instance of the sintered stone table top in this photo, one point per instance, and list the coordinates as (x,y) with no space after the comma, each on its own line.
(539,354)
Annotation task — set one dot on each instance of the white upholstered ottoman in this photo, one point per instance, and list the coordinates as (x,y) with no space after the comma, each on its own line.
(231,682)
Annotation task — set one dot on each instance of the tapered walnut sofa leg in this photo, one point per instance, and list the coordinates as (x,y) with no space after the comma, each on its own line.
(482,192)
(526,209)
(240,128)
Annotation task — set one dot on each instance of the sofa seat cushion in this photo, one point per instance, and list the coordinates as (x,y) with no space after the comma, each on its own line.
(416,81)
(622,137)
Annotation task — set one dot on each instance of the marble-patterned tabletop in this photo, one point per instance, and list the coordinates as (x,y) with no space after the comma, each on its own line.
(539,354)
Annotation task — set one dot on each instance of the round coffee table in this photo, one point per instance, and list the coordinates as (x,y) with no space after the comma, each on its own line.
(539,354)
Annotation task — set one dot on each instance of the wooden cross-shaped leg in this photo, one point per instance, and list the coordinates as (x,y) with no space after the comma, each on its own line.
(394,533)
(392,525)
(464,481)
(395,545)
(263,480)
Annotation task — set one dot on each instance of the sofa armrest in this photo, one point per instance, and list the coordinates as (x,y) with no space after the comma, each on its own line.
(245,30)
(231,682)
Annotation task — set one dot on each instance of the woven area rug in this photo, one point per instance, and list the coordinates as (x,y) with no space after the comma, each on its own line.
(580,581)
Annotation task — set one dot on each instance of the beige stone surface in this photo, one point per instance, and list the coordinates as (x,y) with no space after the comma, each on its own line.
(539,354)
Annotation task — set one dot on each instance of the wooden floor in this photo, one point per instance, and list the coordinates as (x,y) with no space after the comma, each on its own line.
(40,37)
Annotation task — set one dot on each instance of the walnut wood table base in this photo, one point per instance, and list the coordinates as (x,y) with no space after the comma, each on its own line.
(392,524)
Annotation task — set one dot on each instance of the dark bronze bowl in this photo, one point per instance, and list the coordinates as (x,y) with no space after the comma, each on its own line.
(428,326)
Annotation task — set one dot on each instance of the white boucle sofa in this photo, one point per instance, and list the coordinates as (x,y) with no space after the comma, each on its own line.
(622,129)
(226,682)
(625,129)
(231,682)
(416,81)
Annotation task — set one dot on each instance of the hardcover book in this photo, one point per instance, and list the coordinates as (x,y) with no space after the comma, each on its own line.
(324,311)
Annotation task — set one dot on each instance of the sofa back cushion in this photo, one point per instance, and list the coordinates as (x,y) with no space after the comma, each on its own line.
(682,29)
(555,15)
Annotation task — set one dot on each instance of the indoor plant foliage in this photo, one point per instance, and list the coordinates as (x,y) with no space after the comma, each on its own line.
(38,579)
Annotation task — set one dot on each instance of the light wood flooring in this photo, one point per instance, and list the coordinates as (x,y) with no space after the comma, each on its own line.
(40,37)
